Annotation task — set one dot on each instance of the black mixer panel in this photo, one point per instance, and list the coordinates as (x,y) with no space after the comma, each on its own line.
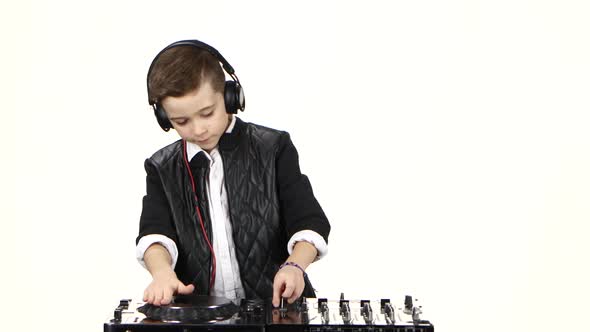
(202,313)
(323,315)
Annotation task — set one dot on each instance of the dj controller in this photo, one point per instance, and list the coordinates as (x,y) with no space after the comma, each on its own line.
(206,313)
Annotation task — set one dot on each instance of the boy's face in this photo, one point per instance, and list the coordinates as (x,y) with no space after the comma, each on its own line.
(199,116)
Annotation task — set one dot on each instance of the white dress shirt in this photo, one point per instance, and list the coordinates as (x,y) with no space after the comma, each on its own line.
(228,283)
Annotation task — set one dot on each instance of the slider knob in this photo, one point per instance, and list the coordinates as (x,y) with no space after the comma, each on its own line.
(118,314)
(367,312)
(283,308)
(345,312)
(325,312)
(408,305)
(389,313)
(303,306)
(416,311)
(283,305)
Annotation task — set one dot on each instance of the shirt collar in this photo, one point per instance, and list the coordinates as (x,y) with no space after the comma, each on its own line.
(192,149)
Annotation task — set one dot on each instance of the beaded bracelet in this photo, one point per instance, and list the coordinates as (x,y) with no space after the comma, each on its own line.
(295,265)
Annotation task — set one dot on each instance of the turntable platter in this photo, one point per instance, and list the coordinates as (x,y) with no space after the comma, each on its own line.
(191,309)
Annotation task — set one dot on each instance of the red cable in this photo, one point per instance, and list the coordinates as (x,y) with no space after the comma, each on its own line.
(190,173)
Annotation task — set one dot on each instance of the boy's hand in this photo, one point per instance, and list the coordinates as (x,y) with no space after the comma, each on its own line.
(288,283)
(165,285)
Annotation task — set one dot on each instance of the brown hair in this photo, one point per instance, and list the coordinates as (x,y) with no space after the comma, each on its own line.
(183,69)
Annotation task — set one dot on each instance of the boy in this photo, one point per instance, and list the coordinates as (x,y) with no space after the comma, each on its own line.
(227,211)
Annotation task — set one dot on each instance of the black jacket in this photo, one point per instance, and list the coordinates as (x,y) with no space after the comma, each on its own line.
(269,201)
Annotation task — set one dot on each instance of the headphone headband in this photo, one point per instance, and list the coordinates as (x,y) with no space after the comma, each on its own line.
(198,44)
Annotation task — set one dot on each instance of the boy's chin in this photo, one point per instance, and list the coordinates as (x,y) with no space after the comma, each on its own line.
(207,146)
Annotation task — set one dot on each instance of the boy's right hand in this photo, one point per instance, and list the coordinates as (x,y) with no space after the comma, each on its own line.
(165,285)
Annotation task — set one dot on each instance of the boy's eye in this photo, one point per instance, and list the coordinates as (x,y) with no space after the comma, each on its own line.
(208,114)
(180,122)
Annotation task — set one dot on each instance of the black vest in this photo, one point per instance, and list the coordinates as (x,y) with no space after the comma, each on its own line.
(249,156)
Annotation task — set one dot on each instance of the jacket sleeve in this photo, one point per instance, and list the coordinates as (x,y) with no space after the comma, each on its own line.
(299,208)
(156,217)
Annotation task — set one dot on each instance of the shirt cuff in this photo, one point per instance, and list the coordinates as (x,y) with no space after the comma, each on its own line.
(311,237)
(146,241)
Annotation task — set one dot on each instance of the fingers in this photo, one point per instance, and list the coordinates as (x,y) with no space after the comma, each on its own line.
(158,293)
(289,290)
(295,293)
(277,288)
(158,296)
(288,283)
(166,296)
(182,289)
(151,296)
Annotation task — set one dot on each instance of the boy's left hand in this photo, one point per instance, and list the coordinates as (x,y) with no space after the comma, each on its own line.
(288,283)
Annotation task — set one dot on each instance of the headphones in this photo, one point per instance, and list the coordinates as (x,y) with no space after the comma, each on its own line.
(233,94)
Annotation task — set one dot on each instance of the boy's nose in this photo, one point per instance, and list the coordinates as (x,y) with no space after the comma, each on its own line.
(199,130)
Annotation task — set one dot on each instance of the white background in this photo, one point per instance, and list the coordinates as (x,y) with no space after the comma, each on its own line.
(447,141)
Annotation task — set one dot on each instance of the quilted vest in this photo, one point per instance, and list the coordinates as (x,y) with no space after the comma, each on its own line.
(249,155)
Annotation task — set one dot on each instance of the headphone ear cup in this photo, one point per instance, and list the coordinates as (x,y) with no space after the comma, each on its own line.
(234,97)
(161,116)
